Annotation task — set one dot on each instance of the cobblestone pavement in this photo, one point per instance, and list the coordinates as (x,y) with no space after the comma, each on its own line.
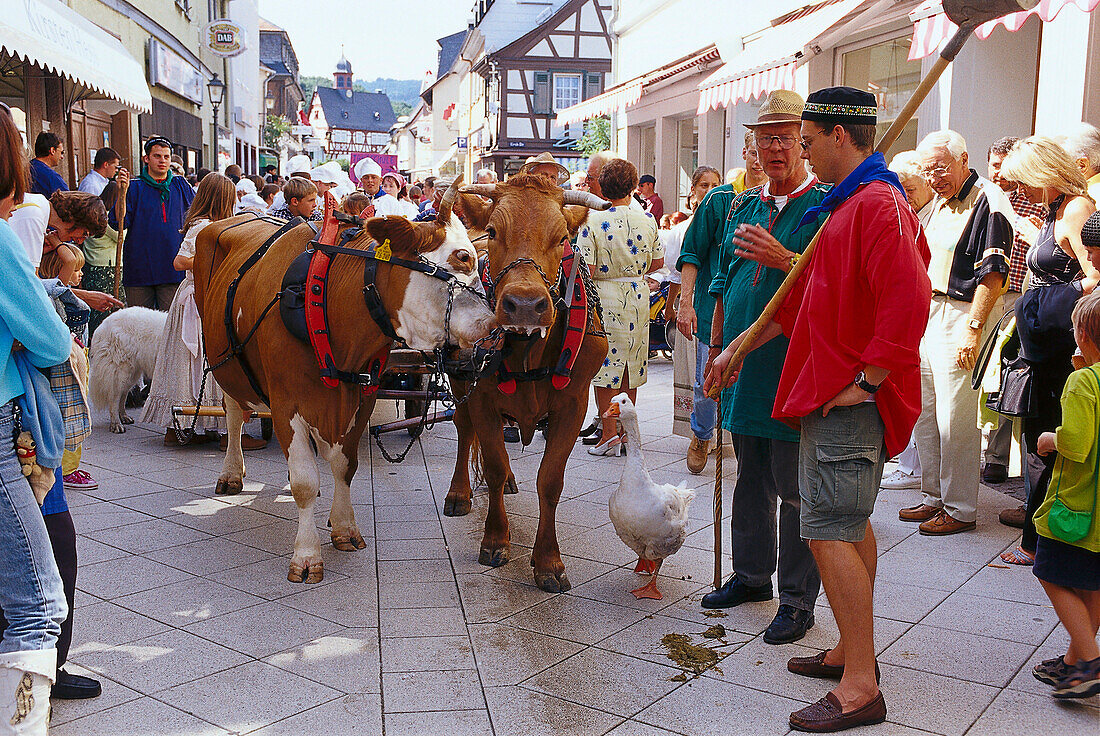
(185,613)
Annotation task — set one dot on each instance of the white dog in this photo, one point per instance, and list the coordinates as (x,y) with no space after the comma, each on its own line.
(123,350)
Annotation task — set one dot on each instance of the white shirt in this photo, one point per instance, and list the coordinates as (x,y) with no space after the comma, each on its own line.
(93,183)
(672,240)
(388,204)
(781,201)
(29,221)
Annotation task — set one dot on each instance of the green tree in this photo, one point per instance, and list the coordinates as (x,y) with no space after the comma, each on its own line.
(401,108)
(597,136)
(275,127)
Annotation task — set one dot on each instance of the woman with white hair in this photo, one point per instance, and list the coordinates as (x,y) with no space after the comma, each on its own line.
(1082,143)
(1060,273)
(917,189)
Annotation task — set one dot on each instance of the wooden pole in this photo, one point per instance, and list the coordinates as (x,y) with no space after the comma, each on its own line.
(120,215)
(888,139)
(718,497)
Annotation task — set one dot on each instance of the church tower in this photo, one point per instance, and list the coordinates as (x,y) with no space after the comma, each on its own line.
(343,72)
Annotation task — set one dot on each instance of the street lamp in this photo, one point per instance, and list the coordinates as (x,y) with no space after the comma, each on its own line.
(216,89)
(269,100)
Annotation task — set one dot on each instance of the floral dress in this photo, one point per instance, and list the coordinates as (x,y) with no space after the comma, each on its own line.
(620,245)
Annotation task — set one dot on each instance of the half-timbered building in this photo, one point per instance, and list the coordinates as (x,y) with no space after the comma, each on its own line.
(346,121)
(528,60)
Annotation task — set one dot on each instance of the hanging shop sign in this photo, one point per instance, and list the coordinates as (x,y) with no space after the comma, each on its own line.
(224,38)
(170,70)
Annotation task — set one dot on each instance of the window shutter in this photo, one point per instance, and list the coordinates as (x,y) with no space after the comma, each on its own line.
(593,84)
(542,93)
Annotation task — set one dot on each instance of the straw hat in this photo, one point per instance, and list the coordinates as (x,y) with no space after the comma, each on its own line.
(545,158)
(780,106)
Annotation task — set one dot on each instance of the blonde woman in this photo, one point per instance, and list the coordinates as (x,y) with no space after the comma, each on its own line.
(1060,272)
(178,376)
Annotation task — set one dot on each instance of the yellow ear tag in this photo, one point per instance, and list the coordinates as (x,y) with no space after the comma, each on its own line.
(384,252)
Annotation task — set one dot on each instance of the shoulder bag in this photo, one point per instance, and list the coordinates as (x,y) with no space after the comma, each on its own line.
(1065,524)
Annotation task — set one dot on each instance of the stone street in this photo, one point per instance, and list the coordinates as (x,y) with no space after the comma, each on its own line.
(185,613)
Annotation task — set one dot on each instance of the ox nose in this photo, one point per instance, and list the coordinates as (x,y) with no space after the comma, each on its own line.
(524,310)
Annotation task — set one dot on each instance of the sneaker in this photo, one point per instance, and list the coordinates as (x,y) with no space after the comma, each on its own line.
(899,481)
(78,480)
(1051,671)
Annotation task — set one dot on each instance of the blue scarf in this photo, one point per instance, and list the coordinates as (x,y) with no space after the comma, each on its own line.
(873,168)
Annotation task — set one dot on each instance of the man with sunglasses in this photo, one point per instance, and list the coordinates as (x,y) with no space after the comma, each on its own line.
(156,204)
(758,250)
(850,381)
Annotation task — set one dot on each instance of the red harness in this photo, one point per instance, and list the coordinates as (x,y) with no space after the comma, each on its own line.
(316,314)
(576,324)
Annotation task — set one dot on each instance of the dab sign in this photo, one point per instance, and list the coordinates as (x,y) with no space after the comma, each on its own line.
(224,38)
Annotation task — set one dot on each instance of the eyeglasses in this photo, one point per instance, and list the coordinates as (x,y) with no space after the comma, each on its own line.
(935,173)
(807,142)
(786,142)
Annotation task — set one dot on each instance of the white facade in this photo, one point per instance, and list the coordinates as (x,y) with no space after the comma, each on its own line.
(245,93)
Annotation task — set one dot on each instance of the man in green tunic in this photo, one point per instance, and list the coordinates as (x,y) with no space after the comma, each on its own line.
(758,250)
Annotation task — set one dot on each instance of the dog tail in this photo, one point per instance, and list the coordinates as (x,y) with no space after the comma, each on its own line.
(101,381)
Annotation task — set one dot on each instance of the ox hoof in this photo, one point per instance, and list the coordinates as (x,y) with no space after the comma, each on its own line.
(228,487)
(348,542)
(312,573)
(553,582)
(493,557)
(456,506)
(510,485)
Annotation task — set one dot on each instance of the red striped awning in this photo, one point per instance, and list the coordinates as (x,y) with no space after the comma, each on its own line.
(933,28)
(771,57)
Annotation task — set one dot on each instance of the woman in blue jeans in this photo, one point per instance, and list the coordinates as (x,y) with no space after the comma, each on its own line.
(31,595)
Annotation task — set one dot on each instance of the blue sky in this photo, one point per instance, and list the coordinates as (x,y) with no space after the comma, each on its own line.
(381,38)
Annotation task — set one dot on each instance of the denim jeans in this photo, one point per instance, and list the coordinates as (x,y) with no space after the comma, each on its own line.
(704,415)
(31,594)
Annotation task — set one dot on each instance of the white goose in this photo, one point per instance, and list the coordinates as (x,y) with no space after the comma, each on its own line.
(650,518)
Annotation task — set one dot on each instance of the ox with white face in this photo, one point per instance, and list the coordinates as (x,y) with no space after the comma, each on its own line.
(420,320)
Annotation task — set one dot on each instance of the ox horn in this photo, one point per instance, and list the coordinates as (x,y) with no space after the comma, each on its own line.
(446,205)
(587,199)
(483,190)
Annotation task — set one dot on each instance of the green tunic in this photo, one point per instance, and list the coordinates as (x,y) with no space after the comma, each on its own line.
(702,242)
(745,288)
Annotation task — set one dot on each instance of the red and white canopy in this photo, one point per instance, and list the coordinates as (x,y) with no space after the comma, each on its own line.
(770,57)
(933,28)
(616,98)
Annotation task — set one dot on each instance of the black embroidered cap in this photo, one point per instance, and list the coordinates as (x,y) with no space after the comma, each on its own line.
(841,104)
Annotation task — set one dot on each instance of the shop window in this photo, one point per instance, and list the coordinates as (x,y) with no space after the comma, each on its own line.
(567,90)
(882,67)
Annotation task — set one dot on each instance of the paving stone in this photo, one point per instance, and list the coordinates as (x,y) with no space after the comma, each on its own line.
(267,578)
(516,710)
(708,706)
(408,622)
(452,723)
(615,586)
(634,728)
(508,656)
(160,661)
(359,713)
(346,660)
(1013,712)
(406,549)
(248,697)
(89,551)
(282,627)
(1020,622)
(485,598)
(966,656)
(113,694)
(146,536)
(414,571)
(946,705)
(440,594)
(138,718)
(407,692)
(643,639)
(350,602)
(116,578)
(576,619)
(207,556)
(424,653)
(605,680)
(106,624)
(93,517)
(188,601)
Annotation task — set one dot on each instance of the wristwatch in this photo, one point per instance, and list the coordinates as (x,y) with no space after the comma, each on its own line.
(974,324)
(863,385)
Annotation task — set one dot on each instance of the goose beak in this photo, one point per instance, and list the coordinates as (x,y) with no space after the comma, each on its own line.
(612,411)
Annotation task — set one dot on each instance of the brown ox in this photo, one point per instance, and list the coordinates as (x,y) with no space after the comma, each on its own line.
(527,222)
(305,413)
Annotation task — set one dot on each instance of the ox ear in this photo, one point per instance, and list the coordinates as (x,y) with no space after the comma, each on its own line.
(575,215)
(476,210)
(404,238)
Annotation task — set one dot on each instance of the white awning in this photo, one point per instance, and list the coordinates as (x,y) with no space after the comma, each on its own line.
(769,61)
(616,98)
(58,39)
(933,28)
(451,153)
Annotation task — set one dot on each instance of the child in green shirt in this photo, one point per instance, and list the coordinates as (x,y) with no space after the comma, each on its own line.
(1067,559)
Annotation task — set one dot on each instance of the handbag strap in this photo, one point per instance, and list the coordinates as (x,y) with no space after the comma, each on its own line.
(987,350)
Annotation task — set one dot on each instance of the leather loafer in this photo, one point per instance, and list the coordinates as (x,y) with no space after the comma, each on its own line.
(921,512)
(815,667)
(1014,517)
(943,524)
(74,687)
(827,715)
(789,625)
(734,593)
